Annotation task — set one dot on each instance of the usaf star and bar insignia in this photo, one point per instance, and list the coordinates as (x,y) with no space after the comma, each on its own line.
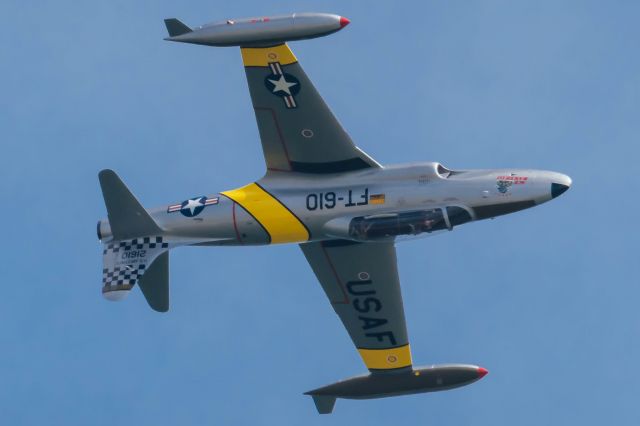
(282,84)
(193,206)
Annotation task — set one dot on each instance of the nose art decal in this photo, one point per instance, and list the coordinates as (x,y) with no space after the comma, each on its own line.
(505,182)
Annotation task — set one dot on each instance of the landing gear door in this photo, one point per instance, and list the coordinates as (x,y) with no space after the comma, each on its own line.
(457,216)
(389,226)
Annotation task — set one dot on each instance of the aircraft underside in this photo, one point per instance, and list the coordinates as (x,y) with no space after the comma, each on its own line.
(344,209)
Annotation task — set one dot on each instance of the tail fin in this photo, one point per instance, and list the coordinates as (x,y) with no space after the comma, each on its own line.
(175,27)
(127,218)
(138,251)
(155,283)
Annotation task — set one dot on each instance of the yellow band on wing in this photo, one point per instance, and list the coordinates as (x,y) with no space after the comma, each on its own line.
(262,56)
(384,359)
(277,220)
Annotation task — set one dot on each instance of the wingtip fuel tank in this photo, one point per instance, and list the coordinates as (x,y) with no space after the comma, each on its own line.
(420,380)
(263,31)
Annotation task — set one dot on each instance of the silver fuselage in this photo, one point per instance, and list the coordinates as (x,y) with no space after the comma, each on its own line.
(417,199)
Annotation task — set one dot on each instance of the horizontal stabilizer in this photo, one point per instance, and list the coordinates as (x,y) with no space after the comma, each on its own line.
(175,27)
(155,283)
(127,218)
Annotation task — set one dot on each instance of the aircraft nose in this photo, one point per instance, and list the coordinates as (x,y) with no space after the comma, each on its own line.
(563,182)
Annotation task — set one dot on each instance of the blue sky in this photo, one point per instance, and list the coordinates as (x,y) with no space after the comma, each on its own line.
(545,299)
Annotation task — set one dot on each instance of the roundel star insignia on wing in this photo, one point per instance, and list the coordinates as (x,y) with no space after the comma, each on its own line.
(283,85)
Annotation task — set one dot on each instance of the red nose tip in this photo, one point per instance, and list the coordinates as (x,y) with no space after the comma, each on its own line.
(344,22)
(482,372)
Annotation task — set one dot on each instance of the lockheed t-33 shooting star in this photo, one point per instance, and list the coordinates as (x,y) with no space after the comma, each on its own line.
(343,208)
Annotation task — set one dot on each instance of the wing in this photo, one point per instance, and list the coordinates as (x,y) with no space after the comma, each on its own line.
(298,131)
(362,284)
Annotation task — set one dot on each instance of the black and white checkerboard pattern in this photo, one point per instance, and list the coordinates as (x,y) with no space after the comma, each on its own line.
(121,277)
(120,273)
(136,243)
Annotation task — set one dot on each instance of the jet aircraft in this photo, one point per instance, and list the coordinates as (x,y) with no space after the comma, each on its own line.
(344,209)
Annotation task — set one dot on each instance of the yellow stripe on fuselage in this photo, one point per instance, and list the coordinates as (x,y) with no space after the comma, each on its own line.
(275,218)
(262,56)
(385,359)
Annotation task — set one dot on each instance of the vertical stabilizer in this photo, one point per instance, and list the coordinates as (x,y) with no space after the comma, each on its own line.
(127,218)
(138,251)
(155,283)
(175,27)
